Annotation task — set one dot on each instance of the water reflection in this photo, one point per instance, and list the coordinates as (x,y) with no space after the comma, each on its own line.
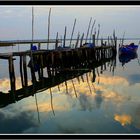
(78,101)
(125,58)
(123,119)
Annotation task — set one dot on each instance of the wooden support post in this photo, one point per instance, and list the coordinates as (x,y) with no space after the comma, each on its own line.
(32,70)
(65,36)
(39,46)
(25,71)
(31,45)
(98,34)
(72,32)
(49,28)
(92,30)
(41,62)
(77,40)
(81,40)
(56,44)
(88,30)
(93,39)
(21,72)
(12,75)
(108,41)
(52,61)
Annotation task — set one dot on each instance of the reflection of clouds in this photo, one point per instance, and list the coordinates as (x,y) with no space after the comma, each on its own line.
(115,80)
(98,98)
(123,119)
(87,100)
(112,92)
(5,84)
(44,103)
(15,122)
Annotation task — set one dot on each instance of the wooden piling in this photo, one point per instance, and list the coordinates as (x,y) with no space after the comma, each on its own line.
(92,29)
(65,36)
(98,34)
(81,40)
(72,32)
(39,46)
(93,39)
(25,71)
(21,71)
(12,74)
(77,40)
(41,65)
(32,25)
(32,69)
(49,28)
(56,44)
(88,30)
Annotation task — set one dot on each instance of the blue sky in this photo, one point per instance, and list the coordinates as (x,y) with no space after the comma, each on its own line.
(15,21)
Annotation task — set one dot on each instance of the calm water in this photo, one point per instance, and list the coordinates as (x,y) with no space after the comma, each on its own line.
(110,104)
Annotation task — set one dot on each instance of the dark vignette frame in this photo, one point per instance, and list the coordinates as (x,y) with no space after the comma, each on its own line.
(73,3)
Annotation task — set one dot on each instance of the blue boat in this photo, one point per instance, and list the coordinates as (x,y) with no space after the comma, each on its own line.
(128,49)
(89,45)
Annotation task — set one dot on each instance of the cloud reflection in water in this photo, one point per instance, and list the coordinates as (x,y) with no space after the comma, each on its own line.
(91,111)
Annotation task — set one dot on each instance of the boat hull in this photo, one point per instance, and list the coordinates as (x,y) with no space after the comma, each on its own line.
(128,49)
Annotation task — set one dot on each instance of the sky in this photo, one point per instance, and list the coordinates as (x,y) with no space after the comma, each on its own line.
(16,21)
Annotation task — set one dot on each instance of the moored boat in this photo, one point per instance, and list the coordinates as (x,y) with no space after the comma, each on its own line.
(126,49)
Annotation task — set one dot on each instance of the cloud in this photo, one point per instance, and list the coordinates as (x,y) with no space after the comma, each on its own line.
(91,99)
(124,119)
(5,84)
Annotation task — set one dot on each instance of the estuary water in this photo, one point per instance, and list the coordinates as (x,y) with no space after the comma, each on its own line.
(105,100)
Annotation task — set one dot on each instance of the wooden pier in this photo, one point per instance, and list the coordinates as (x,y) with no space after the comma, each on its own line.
(55,61)
(37,41)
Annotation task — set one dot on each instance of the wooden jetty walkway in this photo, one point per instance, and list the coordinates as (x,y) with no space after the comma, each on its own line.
(38,41)
(54,61)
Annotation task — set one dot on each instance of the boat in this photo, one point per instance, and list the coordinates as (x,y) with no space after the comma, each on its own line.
(128,49)
(127,57)
(88,45)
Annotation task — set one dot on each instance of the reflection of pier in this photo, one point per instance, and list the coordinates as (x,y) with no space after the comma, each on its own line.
(55,78)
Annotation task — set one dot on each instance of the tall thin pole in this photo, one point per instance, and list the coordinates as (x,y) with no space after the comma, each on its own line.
(77,40)
(92,29)
(33,74)
(72,31)
(49,28)
(56,44)
(81,40)
(88,29)
(32,63)
(32,25)
(98,33)
(64,41)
